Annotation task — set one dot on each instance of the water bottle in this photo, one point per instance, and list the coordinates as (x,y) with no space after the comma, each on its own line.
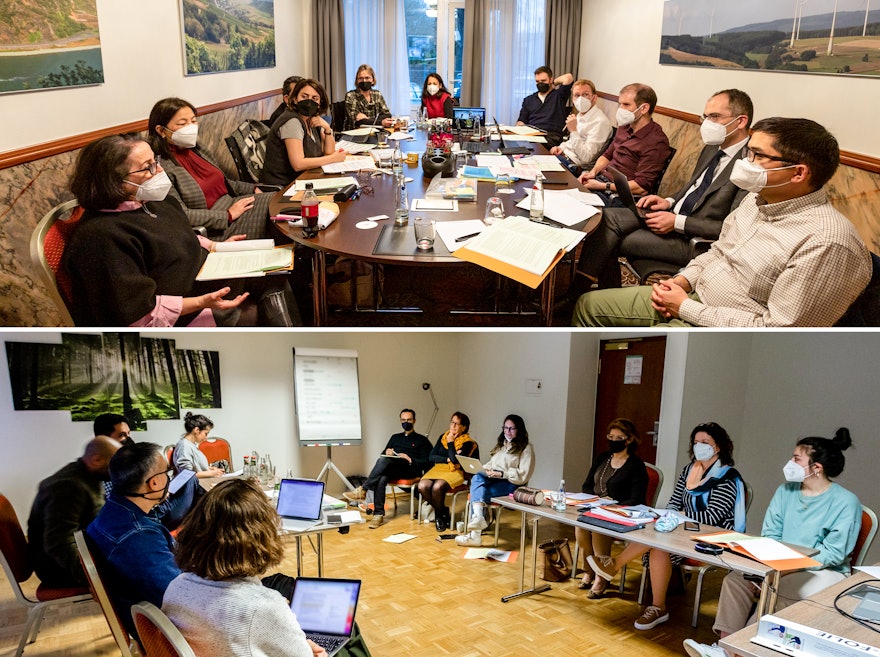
(559,502)
(309,212)
(401,210)
(536,202)
(397,163)
(478,133)
(424,117)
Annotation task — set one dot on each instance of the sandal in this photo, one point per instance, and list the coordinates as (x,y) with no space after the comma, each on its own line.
(593,593)
(583,585)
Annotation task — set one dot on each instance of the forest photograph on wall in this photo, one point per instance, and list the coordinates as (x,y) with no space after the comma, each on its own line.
(142,378)
(227,35)
(837,37)
(46,44)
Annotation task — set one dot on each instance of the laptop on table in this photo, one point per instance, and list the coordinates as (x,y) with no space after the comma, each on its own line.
(299,504)
(621,185)
(325,610)
(463,117)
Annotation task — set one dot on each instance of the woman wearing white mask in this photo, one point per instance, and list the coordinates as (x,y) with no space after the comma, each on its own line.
(225,207)
(436,98)
(709,490)
(808,510)
(133,257)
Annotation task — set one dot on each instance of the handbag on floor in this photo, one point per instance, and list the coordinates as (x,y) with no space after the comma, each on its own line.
(556,559)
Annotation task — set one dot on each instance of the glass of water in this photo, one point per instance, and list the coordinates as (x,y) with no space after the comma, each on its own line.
(494,211)
(503,184)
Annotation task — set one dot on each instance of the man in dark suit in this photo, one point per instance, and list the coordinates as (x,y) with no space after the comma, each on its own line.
(697,210)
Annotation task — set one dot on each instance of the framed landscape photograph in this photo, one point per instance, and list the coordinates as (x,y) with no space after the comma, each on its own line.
(49,44)
(227,35)
(837,37)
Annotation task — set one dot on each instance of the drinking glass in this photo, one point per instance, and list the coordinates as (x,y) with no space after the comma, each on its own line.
(494,211)
(503,184)
(425,233)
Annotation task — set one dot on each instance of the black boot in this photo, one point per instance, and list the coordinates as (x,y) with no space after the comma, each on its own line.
(441,519)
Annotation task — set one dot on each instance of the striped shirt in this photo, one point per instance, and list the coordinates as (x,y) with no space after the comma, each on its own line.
(720,506)
(794,263)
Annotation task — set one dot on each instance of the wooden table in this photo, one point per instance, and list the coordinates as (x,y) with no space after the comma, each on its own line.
(817,612)
(343,238)
(675,542)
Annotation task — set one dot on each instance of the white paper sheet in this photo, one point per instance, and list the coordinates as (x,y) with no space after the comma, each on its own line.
(434,205)
(543,162)
(768,549)
(561,207)
(360,132)
(350,164)
(449,231)
(319,184)
(353,147)
(233,265)
(243,245)
(399,538)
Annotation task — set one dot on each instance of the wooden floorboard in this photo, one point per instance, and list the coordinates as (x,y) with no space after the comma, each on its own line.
(421,599)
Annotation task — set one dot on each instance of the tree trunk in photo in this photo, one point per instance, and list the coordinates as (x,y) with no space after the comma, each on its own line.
(212,360)
(172,374)
(126,393)
(196,382)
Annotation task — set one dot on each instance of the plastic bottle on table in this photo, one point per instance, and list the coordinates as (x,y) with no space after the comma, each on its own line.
(309,212)
(559,502)
(401,210)
(536,201)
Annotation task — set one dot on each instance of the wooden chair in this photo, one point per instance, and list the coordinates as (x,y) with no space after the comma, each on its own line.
(127,646)
(158,635)
(867,532)
(18,569)
(217,449)
(47,248)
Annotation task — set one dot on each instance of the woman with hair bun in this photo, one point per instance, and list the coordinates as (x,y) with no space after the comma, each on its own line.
(187,455)
(808,510)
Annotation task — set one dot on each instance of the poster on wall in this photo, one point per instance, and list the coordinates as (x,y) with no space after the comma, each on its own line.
(49,44)
(837,37)
(227,35)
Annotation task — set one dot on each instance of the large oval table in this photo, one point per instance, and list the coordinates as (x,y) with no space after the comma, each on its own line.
(343,238)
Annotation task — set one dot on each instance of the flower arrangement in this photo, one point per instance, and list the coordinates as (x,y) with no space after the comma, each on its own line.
(441,141)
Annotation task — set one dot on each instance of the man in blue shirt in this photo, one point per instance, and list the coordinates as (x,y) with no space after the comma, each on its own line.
(547,108)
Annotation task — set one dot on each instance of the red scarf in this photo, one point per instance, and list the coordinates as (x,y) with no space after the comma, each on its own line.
(435,105)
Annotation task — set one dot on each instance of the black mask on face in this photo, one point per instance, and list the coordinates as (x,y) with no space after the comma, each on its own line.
(407,426)
(307,107)
(616,446)
(365,86)
(543,87)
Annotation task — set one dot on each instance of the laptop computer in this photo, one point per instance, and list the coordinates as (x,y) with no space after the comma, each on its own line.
(505,149)
(325,610)
(463,117)
(621,186)
(299,504)
(470,465)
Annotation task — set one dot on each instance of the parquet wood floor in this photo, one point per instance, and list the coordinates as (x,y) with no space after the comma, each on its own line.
(421,599)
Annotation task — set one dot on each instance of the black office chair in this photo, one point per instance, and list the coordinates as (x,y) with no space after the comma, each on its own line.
(337,112)
(865,310)
(247,146)
(646,268)
(656,186)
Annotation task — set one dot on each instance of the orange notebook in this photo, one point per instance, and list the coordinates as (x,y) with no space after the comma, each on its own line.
(737,542)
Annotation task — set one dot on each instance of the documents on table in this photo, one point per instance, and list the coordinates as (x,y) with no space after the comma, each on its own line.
(353,147)
(543,162)
(563,206)
(350,164)
(400,135)
(244,245)
(434,205)
(361,132)
(492,160)
(452,231)
(520,249)
(244,264)
(521,130)
(768,551)
(534,139)
(321,185)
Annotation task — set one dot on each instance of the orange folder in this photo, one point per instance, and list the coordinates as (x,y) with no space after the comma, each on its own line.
(505,269)
(723,538)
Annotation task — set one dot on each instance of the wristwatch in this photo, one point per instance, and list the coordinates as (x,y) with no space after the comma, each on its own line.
(608,187)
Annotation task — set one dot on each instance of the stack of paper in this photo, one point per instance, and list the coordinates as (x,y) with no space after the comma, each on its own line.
(352,147)
(542,162)
(321,186)
(350,164)
(566,207)
(766,550)
(244,259)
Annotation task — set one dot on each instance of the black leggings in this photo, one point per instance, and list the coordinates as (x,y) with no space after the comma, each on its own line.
(434,491)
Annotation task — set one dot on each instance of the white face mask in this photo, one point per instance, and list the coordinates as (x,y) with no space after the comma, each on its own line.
(155,189)
(582,104)
(793,472)
(433,89)
(714,134)
(752,177)
(703,451)
(186,136)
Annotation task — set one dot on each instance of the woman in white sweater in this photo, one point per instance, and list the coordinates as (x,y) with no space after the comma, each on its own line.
(187,455)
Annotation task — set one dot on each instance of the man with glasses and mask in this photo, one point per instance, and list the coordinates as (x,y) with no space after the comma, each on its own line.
(696,210)
(785,256)
(639,149)
(588,129)
(546,108)
(404,457)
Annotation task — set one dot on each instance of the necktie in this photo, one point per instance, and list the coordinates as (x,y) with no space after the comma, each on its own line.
(691,199)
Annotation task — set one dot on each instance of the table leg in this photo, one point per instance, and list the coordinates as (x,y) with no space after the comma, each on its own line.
(320,554)
(319,288)
(522,566)
(769,590)
(299,555)
(548,288)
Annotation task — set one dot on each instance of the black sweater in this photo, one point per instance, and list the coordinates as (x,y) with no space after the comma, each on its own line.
(627,485)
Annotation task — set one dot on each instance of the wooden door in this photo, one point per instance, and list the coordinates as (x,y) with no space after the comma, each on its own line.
(630,385)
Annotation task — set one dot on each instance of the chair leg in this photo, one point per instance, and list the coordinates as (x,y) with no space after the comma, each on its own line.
(698,594)
(622,585)
(31,627)
(643,584)
(497,523)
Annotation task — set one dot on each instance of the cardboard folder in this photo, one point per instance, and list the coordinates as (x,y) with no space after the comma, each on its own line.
(735,543)
(505,269)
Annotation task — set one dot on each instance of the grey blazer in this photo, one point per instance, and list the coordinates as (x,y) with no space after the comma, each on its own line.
(720,199)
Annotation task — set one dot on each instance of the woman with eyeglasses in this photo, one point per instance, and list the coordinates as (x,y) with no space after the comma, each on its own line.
(225,207)
(364,105)
(300,138)
(510,465)
(187,455)
(618,474)
(446,473)
(709,490)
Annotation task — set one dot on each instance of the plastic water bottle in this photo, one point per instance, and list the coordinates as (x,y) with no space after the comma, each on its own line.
(401,210)
(536,202)
(559,502)
(397,163)
(309,212)
(478,133)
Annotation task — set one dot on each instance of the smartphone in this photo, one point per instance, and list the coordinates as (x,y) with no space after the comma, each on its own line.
(691,526)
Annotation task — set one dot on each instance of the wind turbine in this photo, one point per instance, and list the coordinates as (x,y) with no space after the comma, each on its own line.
(831,36)
(867,9)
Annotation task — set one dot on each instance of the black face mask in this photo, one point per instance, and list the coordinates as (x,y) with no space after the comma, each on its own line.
(616,446)
(307,107)
(543,87)
(407,426)
(365,86)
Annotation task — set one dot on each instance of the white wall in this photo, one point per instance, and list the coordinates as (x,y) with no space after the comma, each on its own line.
(620,44)
(143,62)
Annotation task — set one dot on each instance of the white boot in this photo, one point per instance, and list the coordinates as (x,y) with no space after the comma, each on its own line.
(477,520)
(472,539)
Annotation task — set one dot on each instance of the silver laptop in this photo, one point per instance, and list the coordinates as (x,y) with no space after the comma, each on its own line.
(621,185)
(470,465)
(325,610)
(299,504)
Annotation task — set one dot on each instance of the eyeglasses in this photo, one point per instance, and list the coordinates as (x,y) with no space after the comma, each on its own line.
(152,167)
(611,436)
(168,473)
(715,117)
(507,429)
(753,156)
(367,79)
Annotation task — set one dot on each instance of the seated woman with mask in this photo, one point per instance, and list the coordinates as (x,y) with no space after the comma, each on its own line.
(133,257)
(300,138)
(436,98)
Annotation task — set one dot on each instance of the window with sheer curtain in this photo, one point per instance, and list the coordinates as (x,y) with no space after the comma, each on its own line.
(375,34)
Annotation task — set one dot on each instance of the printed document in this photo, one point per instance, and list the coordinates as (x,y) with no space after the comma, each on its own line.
(244,264)
(562,206)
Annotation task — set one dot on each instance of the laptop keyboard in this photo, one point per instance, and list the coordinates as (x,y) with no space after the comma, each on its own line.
(328,642)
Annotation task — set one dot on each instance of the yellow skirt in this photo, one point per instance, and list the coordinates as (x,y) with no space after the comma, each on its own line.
(454,478)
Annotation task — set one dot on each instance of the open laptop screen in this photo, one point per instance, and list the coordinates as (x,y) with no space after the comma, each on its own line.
(300,498)
(325,606)
(463,117)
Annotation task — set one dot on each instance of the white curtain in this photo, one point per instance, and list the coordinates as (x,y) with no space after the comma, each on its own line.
(375,34)
(513,47)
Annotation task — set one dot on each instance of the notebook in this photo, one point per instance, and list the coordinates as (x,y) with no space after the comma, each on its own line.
(299,504)
(621,185)
(463,117)
(470,465)
(607,524)
(325,610)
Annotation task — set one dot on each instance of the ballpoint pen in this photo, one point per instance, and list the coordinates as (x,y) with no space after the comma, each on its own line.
(464,238)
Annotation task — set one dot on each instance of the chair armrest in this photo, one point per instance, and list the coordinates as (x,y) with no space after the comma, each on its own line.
(200,230)
(699,245)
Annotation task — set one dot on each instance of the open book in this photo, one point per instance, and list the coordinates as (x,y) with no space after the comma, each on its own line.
(491,553)
(245,259)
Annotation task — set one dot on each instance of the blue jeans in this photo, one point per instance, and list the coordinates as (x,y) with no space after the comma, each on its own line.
(484,488)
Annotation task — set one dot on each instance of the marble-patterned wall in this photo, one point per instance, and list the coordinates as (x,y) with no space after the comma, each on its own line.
(30,190)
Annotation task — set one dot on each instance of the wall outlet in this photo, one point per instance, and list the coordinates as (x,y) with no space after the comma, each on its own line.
(534,386)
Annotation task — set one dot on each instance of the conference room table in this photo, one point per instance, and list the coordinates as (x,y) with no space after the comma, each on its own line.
(675,542)
(318,532)
(344,238)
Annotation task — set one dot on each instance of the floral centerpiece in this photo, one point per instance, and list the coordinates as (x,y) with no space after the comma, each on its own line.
(441,141)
